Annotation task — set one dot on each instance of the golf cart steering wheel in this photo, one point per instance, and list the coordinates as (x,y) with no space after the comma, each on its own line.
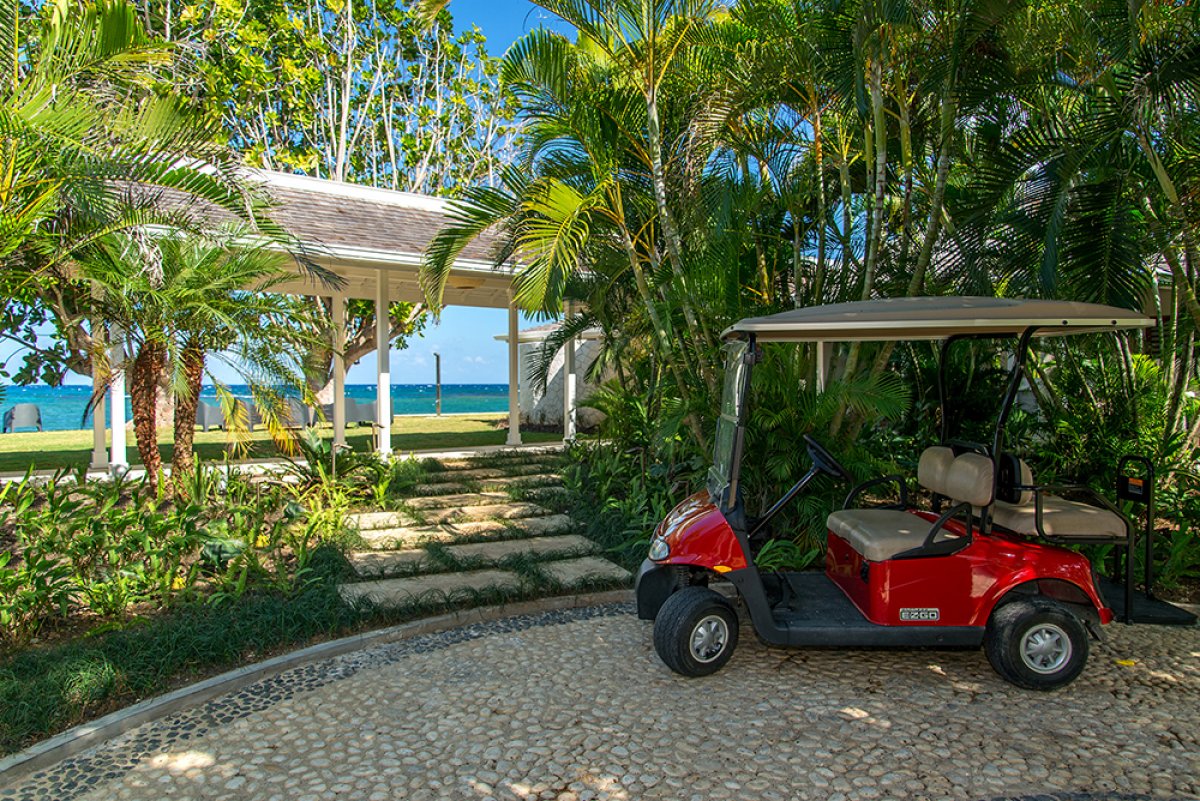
(823,460)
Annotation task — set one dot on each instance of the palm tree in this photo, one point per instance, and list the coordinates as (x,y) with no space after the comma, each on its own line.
(79,128)
(222,305)
(178,298)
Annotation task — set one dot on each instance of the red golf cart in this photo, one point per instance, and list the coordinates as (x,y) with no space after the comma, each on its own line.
(985,563)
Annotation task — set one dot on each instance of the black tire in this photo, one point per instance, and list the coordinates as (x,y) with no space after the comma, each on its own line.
(678,624)
(1036,644)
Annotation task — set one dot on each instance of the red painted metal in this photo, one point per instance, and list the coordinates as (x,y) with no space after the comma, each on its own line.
(699,535)
(964,587)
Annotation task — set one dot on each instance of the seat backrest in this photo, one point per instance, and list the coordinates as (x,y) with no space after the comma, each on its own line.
(963,478)
(935,463)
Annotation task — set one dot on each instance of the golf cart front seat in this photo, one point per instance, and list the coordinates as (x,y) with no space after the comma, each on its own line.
(882,534)
(1017,509)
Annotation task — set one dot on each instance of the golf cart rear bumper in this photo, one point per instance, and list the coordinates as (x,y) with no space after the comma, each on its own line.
(654,585)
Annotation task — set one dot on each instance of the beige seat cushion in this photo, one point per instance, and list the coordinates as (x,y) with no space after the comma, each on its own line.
(1061,518)
(880,534)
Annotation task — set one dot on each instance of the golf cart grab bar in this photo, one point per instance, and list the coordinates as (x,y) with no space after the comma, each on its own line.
(874,482)
(931,547)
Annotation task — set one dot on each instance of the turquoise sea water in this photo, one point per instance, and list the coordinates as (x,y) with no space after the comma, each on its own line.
(63,407)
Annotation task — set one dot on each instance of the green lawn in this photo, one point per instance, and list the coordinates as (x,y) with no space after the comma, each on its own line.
(51,450)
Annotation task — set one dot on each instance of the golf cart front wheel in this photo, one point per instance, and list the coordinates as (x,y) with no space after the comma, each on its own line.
(696,631)
(1037,644)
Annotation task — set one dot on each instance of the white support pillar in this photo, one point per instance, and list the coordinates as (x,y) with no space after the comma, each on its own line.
(383,356)
(118,461)
(99,410)
(514,375)
(339,370)
(570,408)
(824,357)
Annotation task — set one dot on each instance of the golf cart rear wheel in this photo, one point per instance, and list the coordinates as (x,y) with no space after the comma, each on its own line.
(1037,644)
(696,631)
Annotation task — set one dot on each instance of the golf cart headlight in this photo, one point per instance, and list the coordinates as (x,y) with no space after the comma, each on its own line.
(659,550)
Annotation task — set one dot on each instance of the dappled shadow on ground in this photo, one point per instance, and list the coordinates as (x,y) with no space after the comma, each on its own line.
(584,709)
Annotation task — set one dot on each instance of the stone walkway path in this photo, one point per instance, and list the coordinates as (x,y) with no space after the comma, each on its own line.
(474,526)
(575,705)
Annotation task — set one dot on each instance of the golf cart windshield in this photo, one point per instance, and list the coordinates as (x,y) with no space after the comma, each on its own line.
(723,475)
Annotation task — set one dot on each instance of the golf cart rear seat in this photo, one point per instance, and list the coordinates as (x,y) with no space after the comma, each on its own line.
(884,533)
(1019,505)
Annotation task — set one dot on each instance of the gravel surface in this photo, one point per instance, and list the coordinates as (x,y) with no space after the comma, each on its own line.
(575,705)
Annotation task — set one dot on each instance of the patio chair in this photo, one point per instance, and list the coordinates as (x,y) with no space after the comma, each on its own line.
(209,415)
(23,415)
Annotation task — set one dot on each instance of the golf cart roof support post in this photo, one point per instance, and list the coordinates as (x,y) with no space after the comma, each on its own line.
(1020,356)
(739,434)
(943,358)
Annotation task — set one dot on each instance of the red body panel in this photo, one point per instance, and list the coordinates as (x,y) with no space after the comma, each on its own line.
(964,587)
(699,535)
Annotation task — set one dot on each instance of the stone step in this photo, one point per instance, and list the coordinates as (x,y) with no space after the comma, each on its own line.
(510,466)
(440,586)
(382,563)
(511,510)
(456,474)
(394,592)
(497,505)
(570,572)
(408,536)
(371,521)
(465,499)
(460,499)
(488,484)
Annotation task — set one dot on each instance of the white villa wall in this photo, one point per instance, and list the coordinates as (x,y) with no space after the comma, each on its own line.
(546,408)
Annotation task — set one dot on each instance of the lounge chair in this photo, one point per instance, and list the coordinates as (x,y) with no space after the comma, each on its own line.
(23,415)
(209,415)
(356,411)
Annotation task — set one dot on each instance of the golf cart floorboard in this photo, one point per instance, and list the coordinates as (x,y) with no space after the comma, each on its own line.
(1145,610)
(816,613)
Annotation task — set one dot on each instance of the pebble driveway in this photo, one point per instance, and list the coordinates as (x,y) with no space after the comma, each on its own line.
(575,705)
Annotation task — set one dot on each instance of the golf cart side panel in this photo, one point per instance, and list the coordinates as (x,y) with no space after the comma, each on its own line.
(959,589)
(699,536)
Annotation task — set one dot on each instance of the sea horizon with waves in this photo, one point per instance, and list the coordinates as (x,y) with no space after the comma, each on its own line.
(63,407)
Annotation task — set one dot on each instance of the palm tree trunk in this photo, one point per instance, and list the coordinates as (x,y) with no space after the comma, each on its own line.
(183,458)
(143,388)
(933,226)
(671,235)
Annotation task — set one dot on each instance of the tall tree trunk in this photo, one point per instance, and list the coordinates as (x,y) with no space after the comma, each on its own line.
(671,235)
(183,459)
(933,226)
(143,389)
(818,288)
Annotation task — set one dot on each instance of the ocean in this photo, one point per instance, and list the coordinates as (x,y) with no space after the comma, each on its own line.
(63,407)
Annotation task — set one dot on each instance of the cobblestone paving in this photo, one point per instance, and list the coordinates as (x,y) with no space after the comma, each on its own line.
(575,705)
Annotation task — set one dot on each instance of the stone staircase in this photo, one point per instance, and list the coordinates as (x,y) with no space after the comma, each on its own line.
(474,525)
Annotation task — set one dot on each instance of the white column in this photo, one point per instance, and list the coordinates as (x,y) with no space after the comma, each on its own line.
(514,375)
(569,406)
(824,357)
(117,460)
(339,370)
(99,411)
(383,356)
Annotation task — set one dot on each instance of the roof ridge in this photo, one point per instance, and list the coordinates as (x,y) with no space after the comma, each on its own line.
(325,186)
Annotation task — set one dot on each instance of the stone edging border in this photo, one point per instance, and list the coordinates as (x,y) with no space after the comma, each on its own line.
(40,756)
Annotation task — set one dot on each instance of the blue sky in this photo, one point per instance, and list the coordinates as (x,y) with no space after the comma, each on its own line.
(465,336)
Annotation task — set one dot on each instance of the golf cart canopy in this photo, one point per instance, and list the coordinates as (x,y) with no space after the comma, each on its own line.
(934,318)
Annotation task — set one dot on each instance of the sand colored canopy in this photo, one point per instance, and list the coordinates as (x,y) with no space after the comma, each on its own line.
(935,318)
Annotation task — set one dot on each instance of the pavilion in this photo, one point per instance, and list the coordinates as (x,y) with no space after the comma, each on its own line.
(373,240)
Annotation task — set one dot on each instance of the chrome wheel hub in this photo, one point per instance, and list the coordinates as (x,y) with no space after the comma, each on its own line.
(1045,648)
(709,638)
